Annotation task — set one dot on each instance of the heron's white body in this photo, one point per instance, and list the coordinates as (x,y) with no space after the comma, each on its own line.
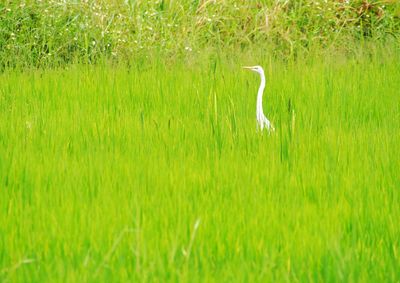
(262,121)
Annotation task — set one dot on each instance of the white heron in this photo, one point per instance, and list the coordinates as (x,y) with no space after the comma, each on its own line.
(262,121)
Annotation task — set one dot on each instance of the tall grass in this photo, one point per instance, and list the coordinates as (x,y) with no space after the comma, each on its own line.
(155,172)
(56,32)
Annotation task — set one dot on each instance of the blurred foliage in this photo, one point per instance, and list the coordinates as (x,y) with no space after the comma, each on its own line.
(54,32)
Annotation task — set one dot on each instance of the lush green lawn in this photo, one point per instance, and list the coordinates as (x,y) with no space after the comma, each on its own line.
(157,173)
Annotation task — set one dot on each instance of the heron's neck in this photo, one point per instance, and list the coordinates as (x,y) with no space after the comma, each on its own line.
(260,95)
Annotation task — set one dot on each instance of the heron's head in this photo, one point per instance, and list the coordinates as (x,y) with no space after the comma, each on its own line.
(257,69)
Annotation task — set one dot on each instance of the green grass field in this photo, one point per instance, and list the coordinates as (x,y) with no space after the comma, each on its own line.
(156,173)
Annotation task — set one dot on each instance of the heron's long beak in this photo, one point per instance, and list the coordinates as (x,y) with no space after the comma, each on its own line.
(248,68)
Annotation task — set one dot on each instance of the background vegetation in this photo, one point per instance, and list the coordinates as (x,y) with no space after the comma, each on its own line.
(55,32)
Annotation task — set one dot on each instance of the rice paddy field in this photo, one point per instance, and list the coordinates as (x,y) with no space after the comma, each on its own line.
(155,172)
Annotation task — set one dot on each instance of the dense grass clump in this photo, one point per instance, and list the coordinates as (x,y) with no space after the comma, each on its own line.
(155,172)
(56,32)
